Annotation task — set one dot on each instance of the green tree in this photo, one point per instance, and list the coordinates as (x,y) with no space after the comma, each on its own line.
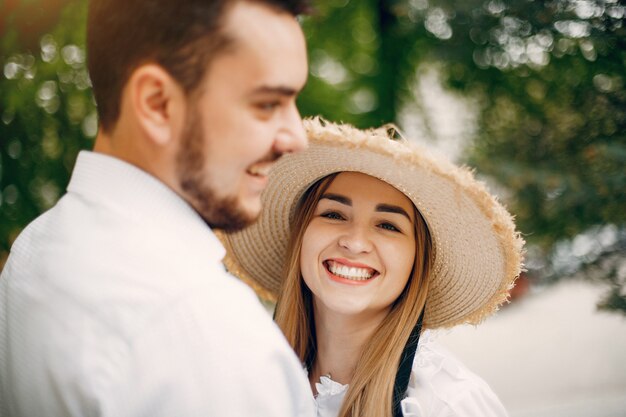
(46,109)
(548,77)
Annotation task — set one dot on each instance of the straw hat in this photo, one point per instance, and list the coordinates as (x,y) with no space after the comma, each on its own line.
(478,253)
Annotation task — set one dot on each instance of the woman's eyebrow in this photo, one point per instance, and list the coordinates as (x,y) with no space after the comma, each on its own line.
(389,208)
(383,208)
(338,198)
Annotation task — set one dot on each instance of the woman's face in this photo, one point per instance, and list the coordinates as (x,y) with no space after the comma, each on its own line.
(358,250)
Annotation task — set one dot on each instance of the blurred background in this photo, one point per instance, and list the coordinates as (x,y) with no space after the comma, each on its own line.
(531,94)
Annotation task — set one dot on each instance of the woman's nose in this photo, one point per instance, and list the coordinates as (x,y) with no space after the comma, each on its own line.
(356,240)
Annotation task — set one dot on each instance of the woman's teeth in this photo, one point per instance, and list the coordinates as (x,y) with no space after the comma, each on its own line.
(350,272)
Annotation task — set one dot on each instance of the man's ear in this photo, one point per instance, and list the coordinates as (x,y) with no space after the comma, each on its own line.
(158,103)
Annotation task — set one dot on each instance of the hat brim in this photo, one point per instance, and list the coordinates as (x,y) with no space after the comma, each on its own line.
(478,253)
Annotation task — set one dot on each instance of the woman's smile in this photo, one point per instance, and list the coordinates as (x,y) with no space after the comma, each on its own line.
(346,272)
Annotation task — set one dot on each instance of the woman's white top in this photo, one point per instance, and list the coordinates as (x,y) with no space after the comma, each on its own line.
(439,386)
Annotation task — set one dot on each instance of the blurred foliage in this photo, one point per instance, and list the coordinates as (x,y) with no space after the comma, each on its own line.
(547,79)
(47,113)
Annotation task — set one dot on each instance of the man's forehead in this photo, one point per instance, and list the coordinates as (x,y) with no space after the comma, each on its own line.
(256,22)
(267,50)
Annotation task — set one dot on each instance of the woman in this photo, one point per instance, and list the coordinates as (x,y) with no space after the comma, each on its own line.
(366,240)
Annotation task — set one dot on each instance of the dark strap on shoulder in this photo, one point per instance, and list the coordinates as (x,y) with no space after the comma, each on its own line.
(406,364)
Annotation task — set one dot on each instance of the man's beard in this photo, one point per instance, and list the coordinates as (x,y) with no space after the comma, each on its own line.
(220,213)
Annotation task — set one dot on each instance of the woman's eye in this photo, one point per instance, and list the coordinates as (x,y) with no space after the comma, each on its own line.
(389,226)
(333,215)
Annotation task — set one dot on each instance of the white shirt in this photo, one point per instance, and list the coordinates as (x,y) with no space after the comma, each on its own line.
(115,303)
(439,386)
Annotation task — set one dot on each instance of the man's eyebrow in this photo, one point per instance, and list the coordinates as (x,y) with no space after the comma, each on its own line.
(388,208)
(338,198)
(275,89)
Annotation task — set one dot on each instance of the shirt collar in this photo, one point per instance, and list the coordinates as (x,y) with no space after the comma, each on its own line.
(125,188)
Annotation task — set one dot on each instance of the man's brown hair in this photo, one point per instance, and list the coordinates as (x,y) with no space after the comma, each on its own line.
(182,36)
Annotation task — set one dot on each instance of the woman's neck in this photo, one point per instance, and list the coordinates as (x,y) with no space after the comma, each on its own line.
(340,342)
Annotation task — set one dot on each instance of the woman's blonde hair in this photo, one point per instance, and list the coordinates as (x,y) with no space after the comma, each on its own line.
(371,389)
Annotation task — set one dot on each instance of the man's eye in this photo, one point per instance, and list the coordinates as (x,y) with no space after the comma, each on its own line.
(333,215)
(268,105)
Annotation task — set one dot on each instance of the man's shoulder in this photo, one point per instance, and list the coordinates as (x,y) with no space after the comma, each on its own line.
(155,309)
(30,239)
(107,270)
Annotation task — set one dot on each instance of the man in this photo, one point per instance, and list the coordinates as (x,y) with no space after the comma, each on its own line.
(115,302)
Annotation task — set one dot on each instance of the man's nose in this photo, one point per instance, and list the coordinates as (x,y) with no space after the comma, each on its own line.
(291,137)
